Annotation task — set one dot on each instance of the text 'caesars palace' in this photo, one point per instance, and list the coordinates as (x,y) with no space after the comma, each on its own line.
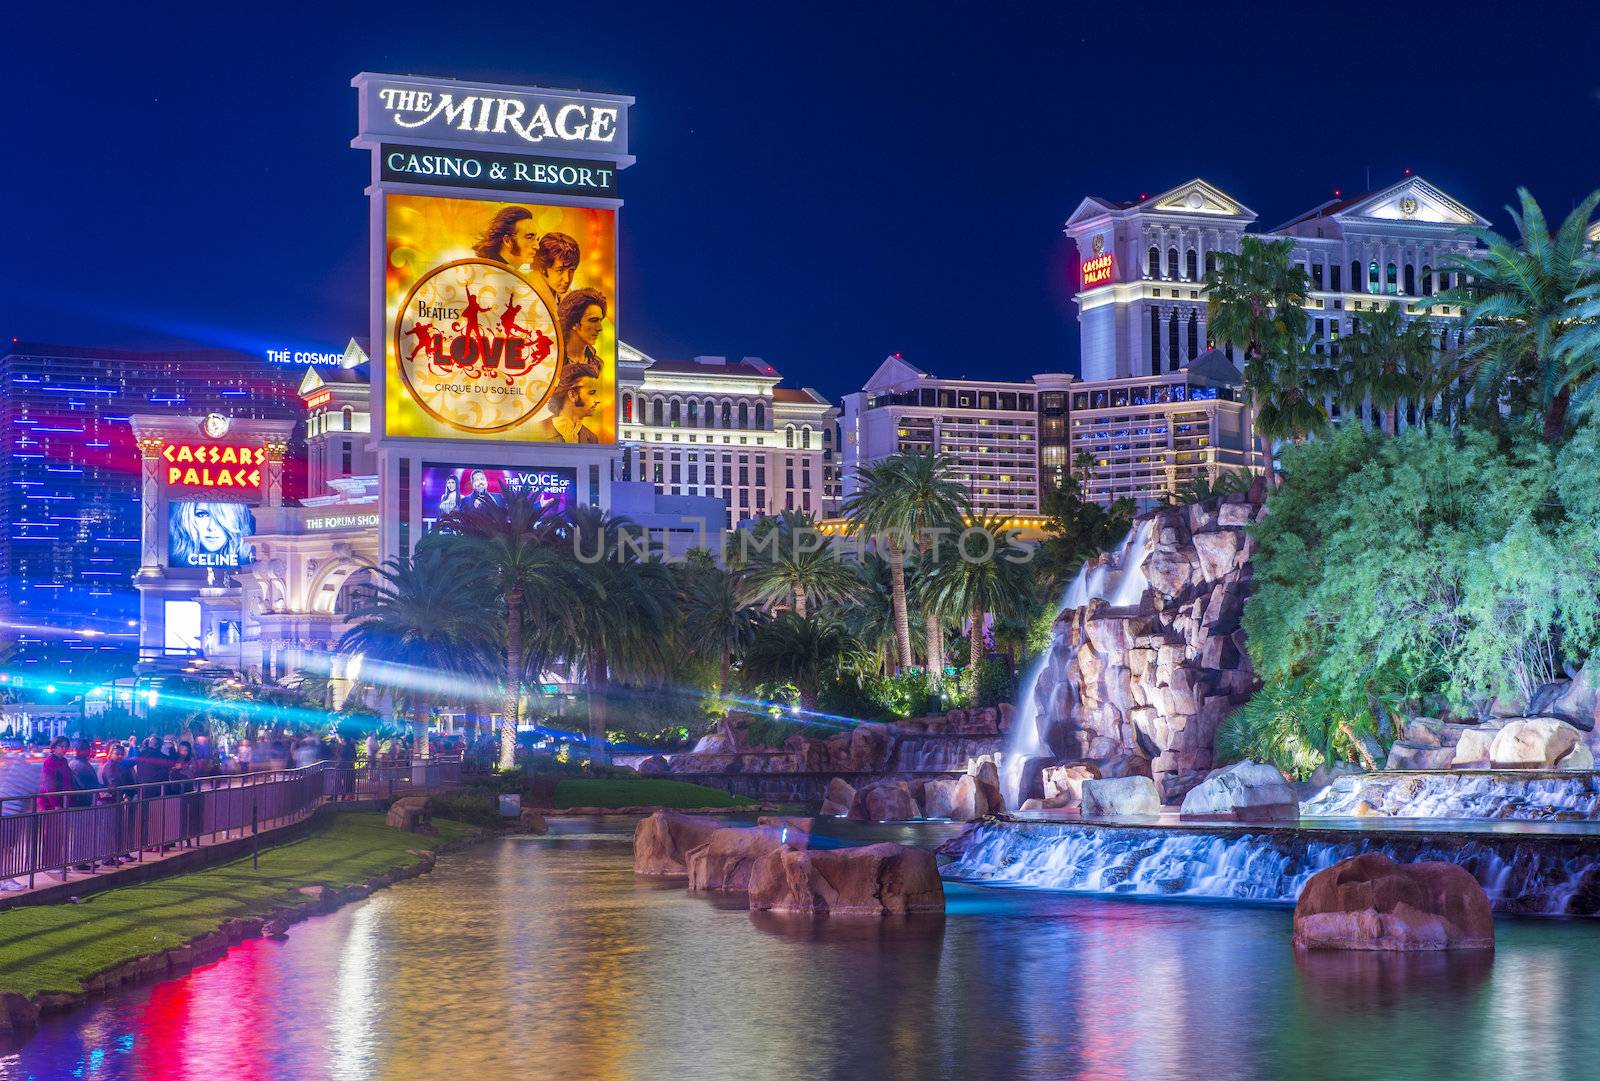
(207,509)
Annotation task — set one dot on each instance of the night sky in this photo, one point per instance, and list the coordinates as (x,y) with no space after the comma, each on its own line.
(816,185)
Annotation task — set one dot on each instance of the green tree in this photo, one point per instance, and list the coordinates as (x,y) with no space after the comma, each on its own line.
(507,547)
(1256,298)
(870,616)
(625,627)
(423,629)
(1383,362)
(980,572)
(806,652)
(796,565)
(1526,337)
(718,623)
(908,499)
(1077,528)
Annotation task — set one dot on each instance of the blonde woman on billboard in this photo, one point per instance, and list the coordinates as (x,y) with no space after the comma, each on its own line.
(209,534)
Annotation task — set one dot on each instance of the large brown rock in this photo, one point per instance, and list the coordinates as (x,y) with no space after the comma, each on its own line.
(414,814)
(884,801)
(956,798)
(1064,784)
(724,861)
(661,842)
(1405,754)
(986,775)
(1244,791)
(836,802)
(1370,902)
(1532,743)
(874,880)
(1120,797)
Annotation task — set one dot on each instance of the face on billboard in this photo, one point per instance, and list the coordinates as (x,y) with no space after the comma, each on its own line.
(501,321)
(201,533)
(447,488)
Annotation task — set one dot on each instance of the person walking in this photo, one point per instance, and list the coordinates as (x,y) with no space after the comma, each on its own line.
(55,776)
(84,776)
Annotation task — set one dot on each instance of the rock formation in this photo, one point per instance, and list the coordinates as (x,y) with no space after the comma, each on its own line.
(1370,902)
(661,842)
(1120,797)
(873,880)
(725,860)
(1148,657)
(1244,791)
(884,801)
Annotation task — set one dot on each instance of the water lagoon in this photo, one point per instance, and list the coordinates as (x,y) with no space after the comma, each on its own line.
(547,957)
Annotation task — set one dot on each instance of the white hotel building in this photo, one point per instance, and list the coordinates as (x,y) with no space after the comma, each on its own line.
(1142,314)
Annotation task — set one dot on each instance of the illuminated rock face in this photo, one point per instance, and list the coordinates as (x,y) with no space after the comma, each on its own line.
(1150,657)
(1370,902)
(872,880)
(661,843)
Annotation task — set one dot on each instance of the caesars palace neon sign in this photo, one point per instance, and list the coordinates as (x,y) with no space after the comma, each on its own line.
(1097,270)
(211,465)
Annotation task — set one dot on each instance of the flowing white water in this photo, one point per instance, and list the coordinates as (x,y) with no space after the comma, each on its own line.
(1526,874)
(1119,581)
(1504,796)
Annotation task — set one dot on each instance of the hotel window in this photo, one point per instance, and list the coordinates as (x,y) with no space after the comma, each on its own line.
(1194,335)
(1154,268)
(761,415)
(744,415)
(1155,342)
(1172,341)
(694,414)
(1316,276)
(761,476)
(1411,280)
(348,415)
(1191,264)
(727,414)
(1355,277)
(658,413)
(788,436)
(677,473)
(1427,280)
(674,413)
(1391,279)
(1172,263)
(627,407)
(345,455)
(1373,284)
(1211,263)
(1334,270)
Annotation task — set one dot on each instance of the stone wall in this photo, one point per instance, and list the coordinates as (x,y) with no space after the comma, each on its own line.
(1156,676)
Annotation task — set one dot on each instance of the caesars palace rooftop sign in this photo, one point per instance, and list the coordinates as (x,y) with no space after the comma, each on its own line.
(482,114)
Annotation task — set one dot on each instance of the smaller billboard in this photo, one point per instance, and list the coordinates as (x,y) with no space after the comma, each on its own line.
(202,533)
(447,488)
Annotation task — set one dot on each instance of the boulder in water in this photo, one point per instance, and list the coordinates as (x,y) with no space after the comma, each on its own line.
(986,775)
(724,861)
(837,800)
(884,801)
(956,798)
(662,842)
(1120,797)
(1249,791)
(1472,749)
(1370,902)
(1408,754)
(872,880)
(1532,743)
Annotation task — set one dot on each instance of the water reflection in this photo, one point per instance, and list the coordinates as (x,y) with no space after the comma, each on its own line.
(547,958)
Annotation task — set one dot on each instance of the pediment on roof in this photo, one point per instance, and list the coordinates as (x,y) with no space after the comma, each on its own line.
(1199,197)
(310,383)
(1413,200)
(894,371)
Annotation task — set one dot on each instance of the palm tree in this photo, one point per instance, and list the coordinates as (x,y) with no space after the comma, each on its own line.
(909,498)
(1382,362)
(1199,489)
(423,628)
(717,621)
(977,579)
(1257,297)
(625,626)
(803,566)
(1292,407)
(1525,342)
(870,616)
(507,547)
(804,651)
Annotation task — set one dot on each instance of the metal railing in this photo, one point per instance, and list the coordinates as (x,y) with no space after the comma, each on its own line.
(104,827)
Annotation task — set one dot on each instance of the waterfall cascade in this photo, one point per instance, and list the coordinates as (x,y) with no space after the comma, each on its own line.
(1461,795)
(1529,874)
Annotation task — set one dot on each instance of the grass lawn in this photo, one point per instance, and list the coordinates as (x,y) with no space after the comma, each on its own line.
(639,792)
(54,947)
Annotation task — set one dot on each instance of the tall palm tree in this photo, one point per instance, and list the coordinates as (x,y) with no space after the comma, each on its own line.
(803,651)
(423,627)
(979,578)
(1382,362)
(1292,407)
(625,627)
(803,566)
(1519,300)
(717,621)
(870,617)
(507,547)
(909,499)
(1256,298)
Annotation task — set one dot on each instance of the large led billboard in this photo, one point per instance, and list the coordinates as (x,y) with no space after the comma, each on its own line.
(500,319)
(202,533)
(447,488)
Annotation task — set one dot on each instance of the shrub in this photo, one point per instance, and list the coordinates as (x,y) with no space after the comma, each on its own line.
(476,806)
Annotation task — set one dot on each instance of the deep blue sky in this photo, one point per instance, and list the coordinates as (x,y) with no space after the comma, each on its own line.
(816,185)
